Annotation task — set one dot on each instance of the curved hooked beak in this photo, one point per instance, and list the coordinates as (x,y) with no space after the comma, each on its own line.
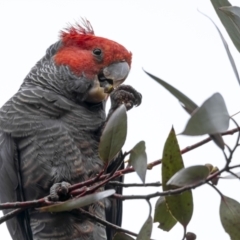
(109,78)
(117,72)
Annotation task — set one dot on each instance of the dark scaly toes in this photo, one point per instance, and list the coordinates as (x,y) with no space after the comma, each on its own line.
(137,96)
(138,99)
(121,96)
(59,191)
(125,94)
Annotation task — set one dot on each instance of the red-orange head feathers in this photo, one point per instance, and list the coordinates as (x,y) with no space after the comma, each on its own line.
(102,61)
(86,53)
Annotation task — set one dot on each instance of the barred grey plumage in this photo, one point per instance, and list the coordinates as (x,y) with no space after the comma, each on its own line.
(49,134)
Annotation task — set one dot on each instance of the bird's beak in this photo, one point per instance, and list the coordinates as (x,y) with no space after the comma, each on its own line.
(109,79)
(116,72)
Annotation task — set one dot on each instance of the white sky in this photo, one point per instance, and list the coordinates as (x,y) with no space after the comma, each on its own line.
(170,39)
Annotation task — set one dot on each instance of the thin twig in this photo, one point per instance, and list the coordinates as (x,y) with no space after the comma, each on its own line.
(115,183)
(217,190)
(154,163)
(234,166)
(35,203)
(27,204)
(237,142)
(184,232)
(206,140)
(229,149)
(95,187)
(196,145)
(101,173)
(106,223)
(11,214)
(234,174)
(235,114)
(124,171)
(169,192)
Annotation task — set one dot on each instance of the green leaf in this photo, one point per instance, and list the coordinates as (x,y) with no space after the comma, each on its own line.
(163,216)
(138,159)
(114,135)
(212,117)
(217,138)
(226,48)
(77,202)
(227,21)
(188,104)
(122,236)
(181,206)
(234,14)
(146,230)
(189,176)
(230,217)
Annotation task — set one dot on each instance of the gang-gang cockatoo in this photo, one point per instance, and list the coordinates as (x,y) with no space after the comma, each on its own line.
(50,132)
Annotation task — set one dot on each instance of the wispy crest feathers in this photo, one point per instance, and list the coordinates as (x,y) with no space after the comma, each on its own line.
(84,28)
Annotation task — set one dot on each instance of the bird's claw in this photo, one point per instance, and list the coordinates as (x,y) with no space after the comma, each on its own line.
(125,94)
(59,190)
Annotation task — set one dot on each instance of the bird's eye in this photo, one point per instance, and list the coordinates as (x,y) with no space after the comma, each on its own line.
(97,51)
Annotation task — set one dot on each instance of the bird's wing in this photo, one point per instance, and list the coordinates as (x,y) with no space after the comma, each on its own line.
(17,120)
(10,187)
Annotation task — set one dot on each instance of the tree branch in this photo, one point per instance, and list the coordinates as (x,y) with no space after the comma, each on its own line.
(169,192)
(11,215)
(115,183)
(27,204)
(234,174)
(106,223)
(217,190)
(20,206)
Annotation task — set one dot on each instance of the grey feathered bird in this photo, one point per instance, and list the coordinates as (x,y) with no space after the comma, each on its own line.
(49,132)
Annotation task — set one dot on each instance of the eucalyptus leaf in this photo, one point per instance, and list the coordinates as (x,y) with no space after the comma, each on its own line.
(234,14)
(212,117)
(187,103)
(230,57)
(114,134)
(230,217)
(180,206)
(77,202)
(227,21)
(138,159)
(163,216)
(189,176)
(146,230)
(218,139)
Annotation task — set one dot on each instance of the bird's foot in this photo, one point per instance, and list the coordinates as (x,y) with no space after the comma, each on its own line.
(125,94)
(59,191)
